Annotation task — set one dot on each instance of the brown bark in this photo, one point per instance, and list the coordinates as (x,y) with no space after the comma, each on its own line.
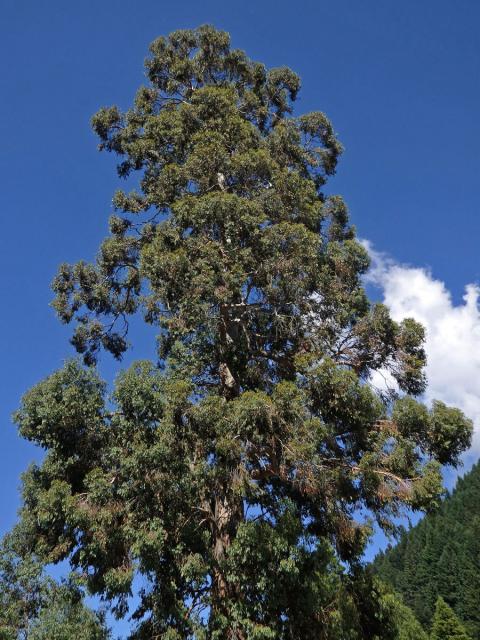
(227,515)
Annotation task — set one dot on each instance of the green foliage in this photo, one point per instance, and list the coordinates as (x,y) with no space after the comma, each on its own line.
(34,606)
(66,618)
(440,557)
(232,476)
(406,625)
(446,625)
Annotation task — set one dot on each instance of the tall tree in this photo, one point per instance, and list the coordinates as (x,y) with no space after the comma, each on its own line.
(446,625)
(232,476)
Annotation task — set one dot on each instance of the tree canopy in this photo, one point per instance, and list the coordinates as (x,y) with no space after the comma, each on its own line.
(406,626)
(446,625)
(33,606)
(231,475)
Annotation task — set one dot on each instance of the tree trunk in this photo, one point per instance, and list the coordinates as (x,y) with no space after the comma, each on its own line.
(228,514)
(227,508)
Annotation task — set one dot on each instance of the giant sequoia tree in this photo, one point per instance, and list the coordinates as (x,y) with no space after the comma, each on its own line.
(232,475)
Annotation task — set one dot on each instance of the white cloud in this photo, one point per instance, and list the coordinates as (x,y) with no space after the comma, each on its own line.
(453,331)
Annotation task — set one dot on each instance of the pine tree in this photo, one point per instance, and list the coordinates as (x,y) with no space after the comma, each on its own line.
(409,628)
(446,625)
(469,561)
(440,557)
(231,475)
(405,624)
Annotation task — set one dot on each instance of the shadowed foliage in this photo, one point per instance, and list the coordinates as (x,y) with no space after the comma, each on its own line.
(35,607)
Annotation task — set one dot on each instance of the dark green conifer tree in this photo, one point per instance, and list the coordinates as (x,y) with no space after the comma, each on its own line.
(441,557)
(446,625)
(469,569)
(230,476)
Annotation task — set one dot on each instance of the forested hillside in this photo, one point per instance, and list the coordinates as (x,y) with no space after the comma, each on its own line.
(441,557)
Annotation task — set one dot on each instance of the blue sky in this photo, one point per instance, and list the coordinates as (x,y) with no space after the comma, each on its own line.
(400,82)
